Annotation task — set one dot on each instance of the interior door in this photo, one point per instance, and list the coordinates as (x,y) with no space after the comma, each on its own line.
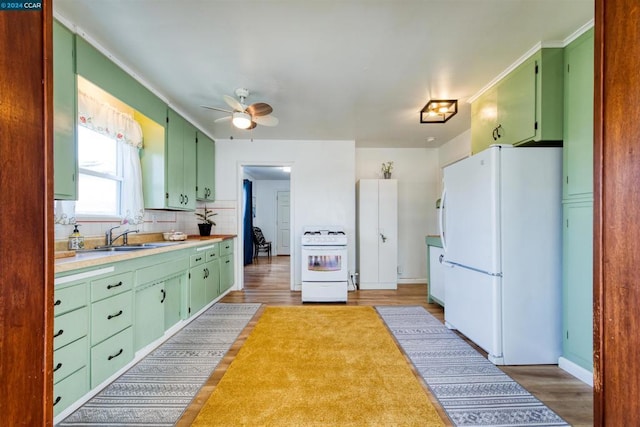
(283,225)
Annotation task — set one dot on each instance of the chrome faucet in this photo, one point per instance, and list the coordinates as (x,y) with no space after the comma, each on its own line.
(108,236)
(124,235)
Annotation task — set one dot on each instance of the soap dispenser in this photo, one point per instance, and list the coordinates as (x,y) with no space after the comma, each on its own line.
(76,240)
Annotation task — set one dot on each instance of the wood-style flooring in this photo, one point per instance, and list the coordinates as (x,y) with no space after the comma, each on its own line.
(267,282)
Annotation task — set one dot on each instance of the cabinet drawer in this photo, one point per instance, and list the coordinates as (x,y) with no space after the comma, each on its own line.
(112,285)
(212,254)
(70,298)
(70,358)
(70,389)
(226,247)
(157,273)
(110,316)
(69,327)
(197,259)
(111,355)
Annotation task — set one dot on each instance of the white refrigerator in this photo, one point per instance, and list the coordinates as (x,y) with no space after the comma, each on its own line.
(501,229)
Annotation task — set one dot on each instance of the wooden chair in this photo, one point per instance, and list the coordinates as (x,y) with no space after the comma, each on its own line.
(260,244)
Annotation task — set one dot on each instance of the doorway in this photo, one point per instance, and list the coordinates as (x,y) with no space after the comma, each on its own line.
(270,209)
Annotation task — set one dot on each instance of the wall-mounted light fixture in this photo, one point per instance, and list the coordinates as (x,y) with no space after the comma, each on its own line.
(438,110)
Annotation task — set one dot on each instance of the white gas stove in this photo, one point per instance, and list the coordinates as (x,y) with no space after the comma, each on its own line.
(324,264)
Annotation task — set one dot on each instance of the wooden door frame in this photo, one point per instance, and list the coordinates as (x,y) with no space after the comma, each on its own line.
(26,223)
(616,332)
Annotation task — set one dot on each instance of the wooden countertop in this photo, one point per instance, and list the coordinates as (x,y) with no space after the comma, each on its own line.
(91,259)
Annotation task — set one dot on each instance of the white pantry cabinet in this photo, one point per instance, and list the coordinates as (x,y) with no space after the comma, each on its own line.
(377,230)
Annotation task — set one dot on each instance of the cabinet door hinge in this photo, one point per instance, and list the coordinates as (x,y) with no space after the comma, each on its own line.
(189,310)
(166,195)
(167,119)
(535,125)
(567,179)
(536,68)
(567,222)
(568,68)
(567,334)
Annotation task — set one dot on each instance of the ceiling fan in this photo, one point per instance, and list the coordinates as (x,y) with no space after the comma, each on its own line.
(245,116)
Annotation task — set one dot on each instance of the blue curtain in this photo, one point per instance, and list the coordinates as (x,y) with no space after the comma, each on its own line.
(247,215)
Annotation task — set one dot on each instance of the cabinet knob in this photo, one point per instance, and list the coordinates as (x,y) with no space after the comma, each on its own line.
(60,332)
(164,296)
(58,302)
(58,366)
(58,399)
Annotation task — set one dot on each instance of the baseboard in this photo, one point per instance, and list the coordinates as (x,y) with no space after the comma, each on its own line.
(576,370)
(418,281)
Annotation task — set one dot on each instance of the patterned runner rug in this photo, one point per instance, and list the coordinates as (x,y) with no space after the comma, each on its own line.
(472,390)
(156,391)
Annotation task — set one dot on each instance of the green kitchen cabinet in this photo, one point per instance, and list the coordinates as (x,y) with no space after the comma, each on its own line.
(181,163)
(198,275)
(578,113)
(70,343)
(173,300)
(149,314)
(227,277)
(578,284)
(65,165)
(577,274)
(205,167)
(528,105)
(435,270)
(484,115)
(168,161)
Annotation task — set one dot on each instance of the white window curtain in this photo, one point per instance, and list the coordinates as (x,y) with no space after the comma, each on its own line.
(109,121)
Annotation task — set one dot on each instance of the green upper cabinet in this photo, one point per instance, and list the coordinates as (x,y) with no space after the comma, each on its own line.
(181,162)
(65,167)
(523,108)
(484,115)
(578,130)
(168,161)
(206,179)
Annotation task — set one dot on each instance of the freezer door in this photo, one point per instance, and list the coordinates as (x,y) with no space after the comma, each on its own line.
(473,308)
(471,233)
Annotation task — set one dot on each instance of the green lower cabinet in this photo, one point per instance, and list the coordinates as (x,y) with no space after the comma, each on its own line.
(149,318)
(578,284)
(173,301)
(70,389)
(197,289)
(111,355)
(213,280)
(226,272)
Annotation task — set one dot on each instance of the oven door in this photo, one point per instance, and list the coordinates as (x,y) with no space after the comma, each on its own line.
(324,264)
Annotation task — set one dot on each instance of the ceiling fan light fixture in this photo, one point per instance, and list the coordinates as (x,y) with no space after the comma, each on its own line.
(241,120)
(438,110)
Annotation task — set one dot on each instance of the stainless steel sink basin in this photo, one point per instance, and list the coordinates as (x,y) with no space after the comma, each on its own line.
(131,247)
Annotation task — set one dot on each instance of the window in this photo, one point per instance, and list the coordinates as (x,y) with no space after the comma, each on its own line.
(100,174)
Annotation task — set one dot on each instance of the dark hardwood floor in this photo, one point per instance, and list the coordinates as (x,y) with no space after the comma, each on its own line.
(267,282)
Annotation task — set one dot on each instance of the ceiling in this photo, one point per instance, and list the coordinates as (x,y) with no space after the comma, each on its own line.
(331,69)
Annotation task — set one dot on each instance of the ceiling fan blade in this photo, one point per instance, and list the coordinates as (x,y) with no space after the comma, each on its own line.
(216,109)
(233,103)
(259,109)
(266,120)
(222,119)
(253,124)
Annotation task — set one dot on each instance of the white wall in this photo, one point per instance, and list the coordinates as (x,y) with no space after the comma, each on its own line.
(265,192)
(322,183)
(417,172)
(453,150)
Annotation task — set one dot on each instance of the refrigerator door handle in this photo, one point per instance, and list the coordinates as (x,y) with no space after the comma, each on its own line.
(455,264)
(440,219)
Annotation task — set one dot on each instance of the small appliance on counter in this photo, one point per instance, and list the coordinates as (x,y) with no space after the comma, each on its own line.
(324,264)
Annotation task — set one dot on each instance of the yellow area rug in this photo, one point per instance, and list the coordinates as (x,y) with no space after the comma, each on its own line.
(319,366)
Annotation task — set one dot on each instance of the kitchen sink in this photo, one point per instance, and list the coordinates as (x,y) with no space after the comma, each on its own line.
(130,247)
